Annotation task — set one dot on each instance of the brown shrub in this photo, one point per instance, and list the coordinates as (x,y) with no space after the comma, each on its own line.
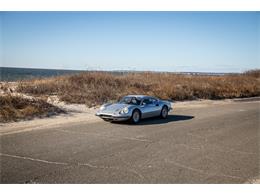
(14,108)
(93,88)
(253,73)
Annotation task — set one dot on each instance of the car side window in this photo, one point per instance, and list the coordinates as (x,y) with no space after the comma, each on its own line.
(154,101)
(147,101)
(135,101)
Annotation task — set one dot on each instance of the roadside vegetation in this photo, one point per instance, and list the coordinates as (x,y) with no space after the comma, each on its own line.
(14,108)
(94,88)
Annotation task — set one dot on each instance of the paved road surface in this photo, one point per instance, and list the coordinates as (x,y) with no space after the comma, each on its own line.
(205,144)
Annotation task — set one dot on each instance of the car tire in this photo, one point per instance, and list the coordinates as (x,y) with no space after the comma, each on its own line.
(164,112)
(136,116)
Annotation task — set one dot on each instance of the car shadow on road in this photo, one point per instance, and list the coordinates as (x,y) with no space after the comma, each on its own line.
(157,120)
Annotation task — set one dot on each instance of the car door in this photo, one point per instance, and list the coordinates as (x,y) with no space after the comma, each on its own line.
(156,107)
(149,108)
(145,108)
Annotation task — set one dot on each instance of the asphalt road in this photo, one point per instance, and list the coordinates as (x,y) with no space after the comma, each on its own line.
(205,144)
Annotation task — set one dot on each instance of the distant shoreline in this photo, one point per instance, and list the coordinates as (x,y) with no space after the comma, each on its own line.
(16,74)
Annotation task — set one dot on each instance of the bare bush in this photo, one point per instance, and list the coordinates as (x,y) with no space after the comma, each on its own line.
(14,108)
(94,88)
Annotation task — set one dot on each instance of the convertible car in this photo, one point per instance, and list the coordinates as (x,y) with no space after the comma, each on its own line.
(134,108)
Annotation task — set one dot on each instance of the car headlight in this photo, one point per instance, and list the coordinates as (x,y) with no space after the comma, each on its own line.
(102,107)
(125,110)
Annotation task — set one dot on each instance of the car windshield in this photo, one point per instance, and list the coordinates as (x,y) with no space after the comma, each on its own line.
(130,100)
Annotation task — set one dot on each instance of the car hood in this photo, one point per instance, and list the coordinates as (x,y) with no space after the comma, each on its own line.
(114,107)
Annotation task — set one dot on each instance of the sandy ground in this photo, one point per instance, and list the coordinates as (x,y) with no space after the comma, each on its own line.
(76,114)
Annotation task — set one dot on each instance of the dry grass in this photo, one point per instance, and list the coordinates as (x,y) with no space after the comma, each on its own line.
(253,73)
(94,88)
(14,108)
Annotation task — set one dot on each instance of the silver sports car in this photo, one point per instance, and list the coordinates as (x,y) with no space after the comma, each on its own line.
(134,108)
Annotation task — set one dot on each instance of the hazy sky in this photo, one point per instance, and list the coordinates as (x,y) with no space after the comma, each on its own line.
(156,41)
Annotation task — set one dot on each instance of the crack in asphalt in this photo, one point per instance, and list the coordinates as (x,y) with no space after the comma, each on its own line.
(33,159)
(74,164)
(202,171)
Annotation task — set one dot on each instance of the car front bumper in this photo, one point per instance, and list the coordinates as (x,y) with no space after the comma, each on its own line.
(113,117)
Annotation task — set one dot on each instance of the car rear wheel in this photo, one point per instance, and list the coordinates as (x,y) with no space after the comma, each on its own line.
(164,112)
(136,116)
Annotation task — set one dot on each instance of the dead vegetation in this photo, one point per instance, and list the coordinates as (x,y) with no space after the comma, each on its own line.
(94,88)
(253,73)
(14,108)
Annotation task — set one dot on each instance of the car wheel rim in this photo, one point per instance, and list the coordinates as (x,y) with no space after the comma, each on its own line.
(136,117)
(164,112)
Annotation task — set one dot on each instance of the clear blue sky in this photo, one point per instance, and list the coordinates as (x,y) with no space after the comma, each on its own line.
(156,41)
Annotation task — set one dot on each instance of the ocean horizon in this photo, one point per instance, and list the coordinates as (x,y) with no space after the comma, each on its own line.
(16,73)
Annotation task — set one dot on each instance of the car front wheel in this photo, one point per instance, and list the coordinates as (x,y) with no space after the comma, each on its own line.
(136,116)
